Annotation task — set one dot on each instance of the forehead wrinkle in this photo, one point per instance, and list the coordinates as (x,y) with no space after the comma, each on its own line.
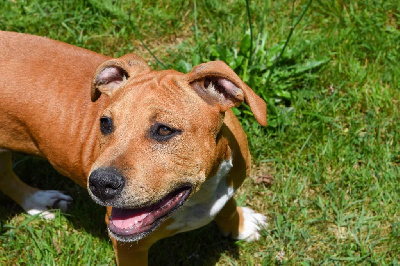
(177,88)
(168,103)
(161,80)
(174,90)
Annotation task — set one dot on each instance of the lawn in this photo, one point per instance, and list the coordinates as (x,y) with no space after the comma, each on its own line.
(330,74)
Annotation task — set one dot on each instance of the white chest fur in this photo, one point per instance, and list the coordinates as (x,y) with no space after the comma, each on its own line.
(203,206)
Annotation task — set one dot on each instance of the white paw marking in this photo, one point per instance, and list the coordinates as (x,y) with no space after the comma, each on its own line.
(253,223)
(45,200)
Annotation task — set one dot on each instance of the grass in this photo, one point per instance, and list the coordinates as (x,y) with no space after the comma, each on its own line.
(332,144)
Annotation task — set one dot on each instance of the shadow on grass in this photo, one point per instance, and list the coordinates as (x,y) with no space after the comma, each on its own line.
(83,212)
(200,247)
(203,246)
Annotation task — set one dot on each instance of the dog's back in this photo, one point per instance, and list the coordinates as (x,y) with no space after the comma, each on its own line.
(46,84)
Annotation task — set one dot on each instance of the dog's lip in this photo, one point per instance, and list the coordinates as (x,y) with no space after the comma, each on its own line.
(134,224)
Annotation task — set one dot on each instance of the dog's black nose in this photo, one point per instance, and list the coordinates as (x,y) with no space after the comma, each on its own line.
(106,183)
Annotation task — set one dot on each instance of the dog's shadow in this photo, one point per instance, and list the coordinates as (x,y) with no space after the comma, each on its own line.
(203,246)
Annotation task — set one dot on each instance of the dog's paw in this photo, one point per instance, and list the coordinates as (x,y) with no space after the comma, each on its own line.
(253,223)
(43,201)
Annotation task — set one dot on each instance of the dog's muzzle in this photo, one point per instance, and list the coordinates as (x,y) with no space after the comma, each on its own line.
(128,225)
(106,183)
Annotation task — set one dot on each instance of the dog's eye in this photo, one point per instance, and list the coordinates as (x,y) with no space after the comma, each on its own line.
(106,125)
(162,132)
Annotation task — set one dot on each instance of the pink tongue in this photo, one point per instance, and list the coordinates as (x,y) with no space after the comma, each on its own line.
(128,222)
(123,219)
(134,221)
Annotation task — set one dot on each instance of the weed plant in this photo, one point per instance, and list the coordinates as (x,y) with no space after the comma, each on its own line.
(332,144)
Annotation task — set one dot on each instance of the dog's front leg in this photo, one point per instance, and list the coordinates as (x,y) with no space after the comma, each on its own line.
(240,222)
(130,253)
(31,199)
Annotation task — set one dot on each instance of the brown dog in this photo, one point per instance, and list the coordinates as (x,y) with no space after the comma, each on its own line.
(162,150)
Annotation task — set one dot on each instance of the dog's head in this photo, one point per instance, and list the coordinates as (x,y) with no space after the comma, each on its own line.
(160,138)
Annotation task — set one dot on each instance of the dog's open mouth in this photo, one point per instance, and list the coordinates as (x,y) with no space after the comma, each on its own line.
(133,224)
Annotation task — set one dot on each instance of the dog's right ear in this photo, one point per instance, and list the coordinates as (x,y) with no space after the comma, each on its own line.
(113,74)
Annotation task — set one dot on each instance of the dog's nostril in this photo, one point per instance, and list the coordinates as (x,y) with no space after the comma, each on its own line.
(106,183)
(114,183)
(112,186)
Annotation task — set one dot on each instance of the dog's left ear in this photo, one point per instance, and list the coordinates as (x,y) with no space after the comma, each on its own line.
(112,74)
(217,82)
